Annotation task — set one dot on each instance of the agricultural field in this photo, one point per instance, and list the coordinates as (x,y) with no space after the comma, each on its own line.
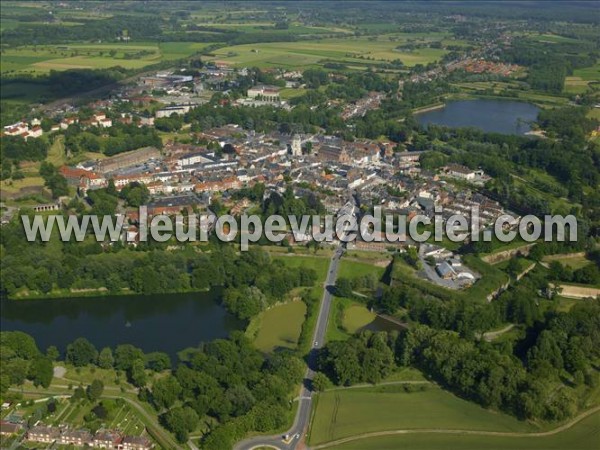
(581,436)
(349,412)
(581,79)
(280,327)
(42,59)
(304,54)
(554,38)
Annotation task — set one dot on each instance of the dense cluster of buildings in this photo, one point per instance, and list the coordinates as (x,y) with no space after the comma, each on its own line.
(187,176)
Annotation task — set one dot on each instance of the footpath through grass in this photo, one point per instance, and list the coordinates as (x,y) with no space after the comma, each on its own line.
(350,412)
(581,436)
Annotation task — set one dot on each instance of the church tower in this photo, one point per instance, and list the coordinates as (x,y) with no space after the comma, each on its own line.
(296,145)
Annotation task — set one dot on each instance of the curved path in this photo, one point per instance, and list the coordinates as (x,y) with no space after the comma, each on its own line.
(557,430)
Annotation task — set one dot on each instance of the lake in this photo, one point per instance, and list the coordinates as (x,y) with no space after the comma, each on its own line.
(499,116)
(165,322)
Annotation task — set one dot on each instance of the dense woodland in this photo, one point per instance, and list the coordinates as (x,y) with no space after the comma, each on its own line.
(526,381)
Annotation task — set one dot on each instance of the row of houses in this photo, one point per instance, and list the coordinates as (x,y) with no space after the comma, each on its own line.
(82,438)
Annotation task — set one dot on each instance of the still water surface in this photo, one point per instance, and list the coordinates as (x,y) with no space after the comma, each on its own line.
(499,116)
(165,322)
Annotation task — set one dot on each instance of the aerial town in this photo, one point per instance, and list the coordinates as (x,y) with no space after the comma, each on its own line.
(462,139)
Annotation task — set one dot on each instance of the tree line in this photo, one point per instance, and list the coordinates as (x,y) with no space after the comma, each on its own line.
(527,383)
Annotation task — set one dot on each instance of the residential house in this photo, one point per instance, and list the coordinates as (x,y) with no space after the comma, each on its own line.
(42,433)
(106,439)
(8,429)
(136,443)
(75,437)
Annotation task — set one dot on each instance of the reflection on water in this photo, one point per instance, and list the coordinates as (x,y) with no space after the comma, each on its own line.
(500,116)
(165,322)
(381,324)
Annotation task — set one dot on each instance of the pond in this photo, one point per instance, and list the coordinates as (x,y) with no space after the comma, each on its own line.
(165,322)
(499,116)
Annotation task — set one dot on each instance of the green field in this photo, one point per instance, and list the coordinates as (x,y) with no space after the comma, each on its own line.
(574,262)
(581,79)
(352,269)
(356,51)
(280,327)
(318,263)
(348,412)
(41,59)
(356,317)
(555,38)
(582,436)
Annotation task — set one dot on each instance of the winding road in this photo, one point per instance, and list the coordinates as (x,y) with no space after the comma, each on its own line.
(298,430)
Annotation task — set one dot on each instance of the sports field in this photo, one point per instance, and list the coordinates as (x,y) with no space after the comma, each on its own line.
(349,412)
(280,327)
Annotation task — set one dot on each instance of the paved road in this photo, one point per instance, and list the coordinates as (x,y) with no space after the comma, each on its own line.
(305,399)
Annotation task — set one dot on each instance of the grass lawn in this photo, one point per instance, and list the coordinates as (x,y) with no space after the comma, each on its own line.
(86,375)
(56,153)
(572,261)
(318,263)
(594,113)
(14,186)
(349,412)
(280,327)
(582,436)
(565,304)
(356,317)
(321,266)
(353,269)
(336,330)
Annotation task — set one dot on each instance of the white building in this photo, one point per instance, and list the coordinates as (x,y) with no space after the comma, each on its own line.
(172,110)
(264,93)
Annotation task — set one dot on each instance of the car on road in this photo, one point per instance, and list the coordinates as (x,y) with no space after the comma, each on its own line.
(315,344)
